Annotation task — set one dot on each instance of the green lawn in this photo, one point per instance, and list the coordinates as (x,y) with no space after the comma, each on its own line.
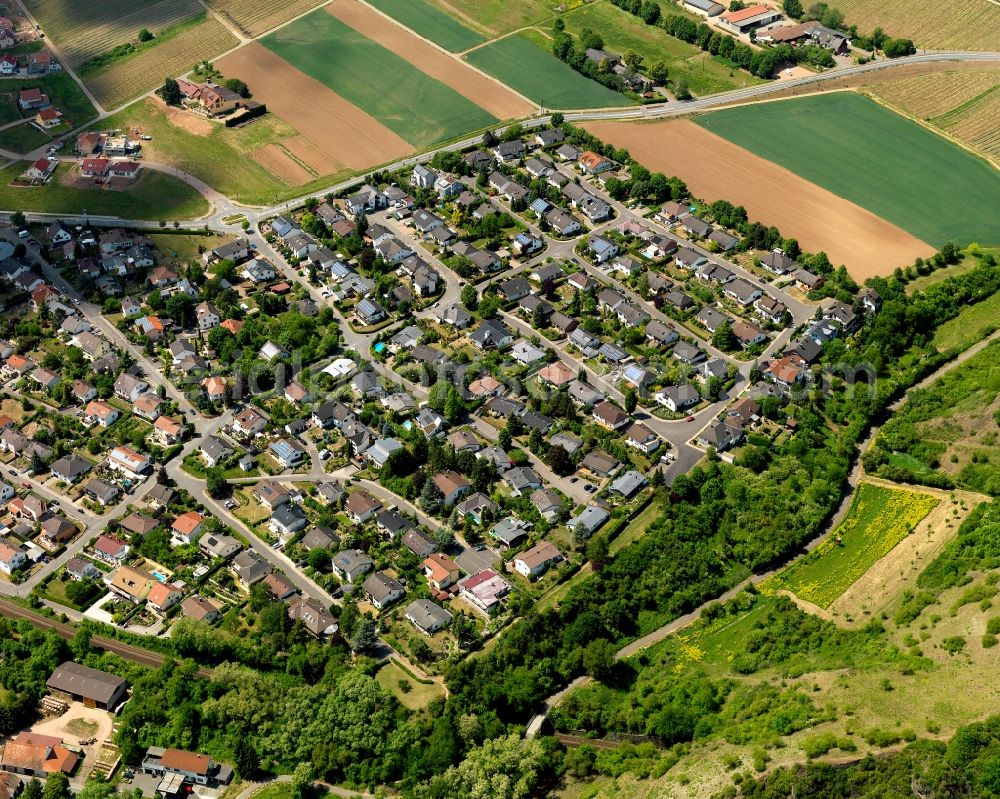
(419,694)
(63,92)
(155,196)
(622,31)
(970,325)
(421,110)
(524,62)
(431,23)
(23,138)
(878,520)
(869,155)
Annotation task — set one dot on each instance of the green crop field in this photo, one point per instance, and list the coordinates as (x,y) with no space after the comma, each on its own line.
(154,196)
(431,23)
(879,519)
(869,155)
(532,70)
(413,105)
(621,31)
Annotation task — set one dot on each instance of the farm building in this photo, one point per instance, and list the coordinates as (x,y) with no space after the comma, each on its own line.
(83,684)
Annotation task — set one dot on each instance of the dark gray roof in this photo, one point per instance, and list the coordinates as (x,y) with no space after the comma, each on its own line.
(72,678)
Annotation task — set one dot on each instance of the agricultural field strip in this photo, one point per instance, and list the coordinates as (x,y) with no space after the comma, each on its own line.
(256,17)
(418,108)
(84,28)
(932,24)
(931,96)
(430,22)
(348,135)
(476,87)
(135,76)
(863,152)
(715,168)
(878,520)
(536,73)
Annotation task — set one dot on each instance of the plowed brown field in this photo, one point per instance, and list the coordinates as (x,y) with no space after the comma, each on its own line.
(452,72)
(280,164)
(349,135)
(716,169)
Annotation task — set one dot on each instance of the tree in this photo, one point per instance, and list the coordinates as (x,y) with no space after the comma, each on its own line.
(559,24)
(171,92)
(469,297)
(301,780)
(365,637)
(559,460)
(505,439)
(56,786)
(632,59)
(659,73)
(597,552)
(793,8)
(502,768)
(18,220)
(238,86)
(33,789)
(599,658)
(897,48)
(145,35)
(215,483)
(245,758)
(723,338)
(681,90)
(319,559)
(631,400)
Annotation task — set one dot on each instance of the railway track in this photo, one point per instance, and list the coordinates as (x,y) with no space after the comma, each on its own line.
(137,654)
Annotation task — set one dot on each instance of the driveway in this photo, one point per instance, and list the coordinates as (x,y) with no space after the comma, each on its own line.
(472,560)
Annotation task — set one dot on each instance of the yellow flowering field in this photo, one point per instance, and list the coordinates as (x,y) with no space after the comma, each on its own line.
(878,520)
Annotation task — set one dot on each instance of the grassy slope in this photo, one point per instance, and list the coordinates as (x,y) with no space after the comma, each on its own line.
(22,138)
(418,108)
(968,327)
(622,31)
(533,71)
(875,158)
(431,23)
(155,196)
(878,520)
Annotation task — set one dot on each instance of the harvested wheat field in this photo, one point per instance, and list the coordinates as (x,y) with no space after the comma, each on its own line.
(280,164)
(715,169)
(484,91)
(254,17)
(348,134)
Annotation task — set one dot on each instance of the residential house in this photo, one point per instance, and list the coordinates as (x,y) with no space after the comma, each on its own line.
(351,565)
(215,450)
(609,415)
(249,569)
(534,562)
(640,437)
(361,506)
(129,462)
(588,521)
(452,486)
(382,590)
(628,483)
(187,528)
(484,590)
(427,617)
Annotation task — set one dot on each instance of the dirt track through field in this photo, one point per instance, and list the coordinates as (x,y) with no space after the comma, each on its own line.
(311,155)
(452,72)
(716,169)
(349,135)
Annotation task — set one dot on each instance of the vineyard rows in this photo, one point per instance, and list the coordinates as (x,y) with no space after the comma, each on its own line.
(84,28)
(930,96)
(979,125)
(135,76)
(255,17)
(932,24)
